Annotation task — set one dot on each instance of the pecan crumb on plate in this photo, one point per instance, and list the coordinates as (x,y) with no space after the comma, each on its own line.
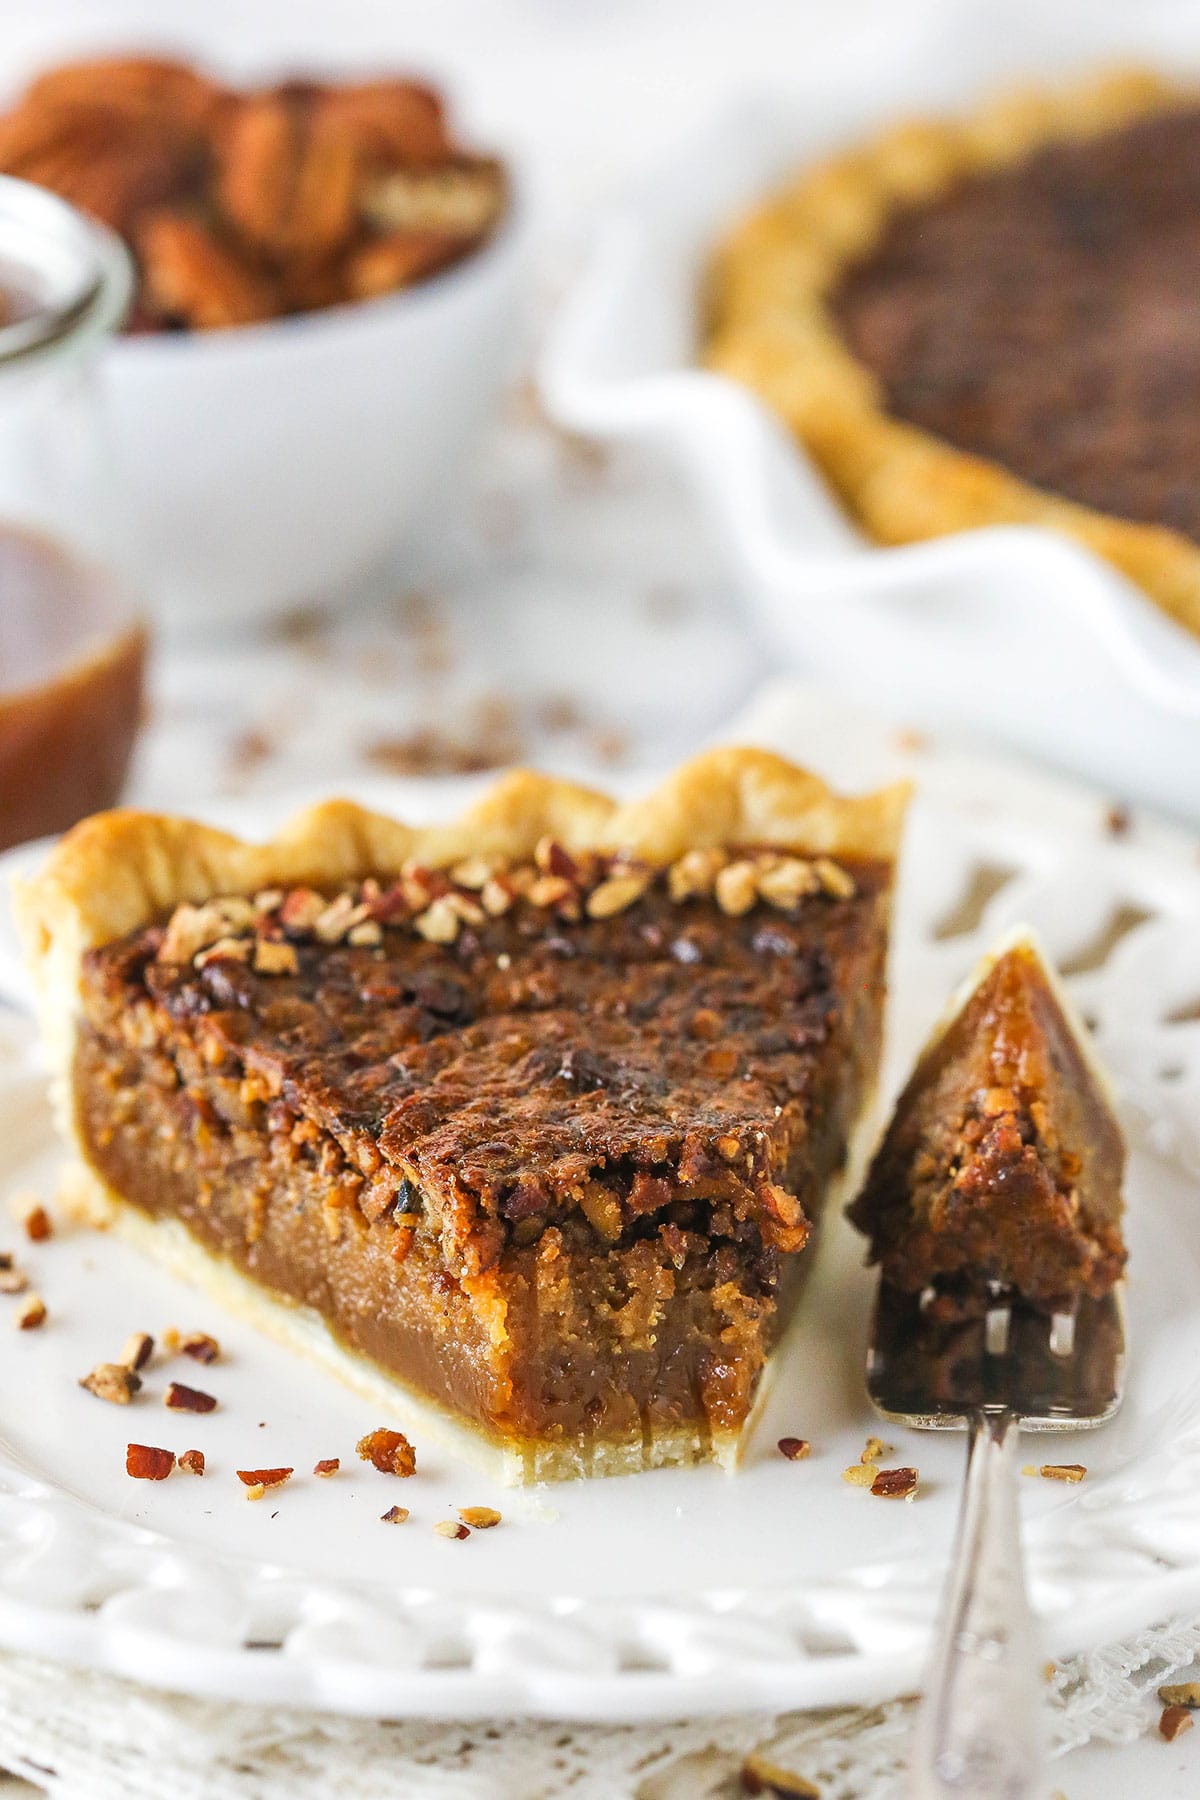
(1062,1471)
(388,1451)
(115,1382)
(37,1224)
(192,1461)
(894,1484)
(139,1348)
(859,1474)
(328,1465)
(451,1528)
(31,1314)
(395,1515)
(199,1346)
(481,1518)
(874,1450)
(1174,1722)
(12,1279)
(187,1399)
(146,1462)
(794,1448)
(257,1481)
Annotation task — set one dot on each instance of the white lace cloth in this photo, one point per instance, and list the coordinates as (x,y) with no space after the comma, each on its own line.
(89,1737)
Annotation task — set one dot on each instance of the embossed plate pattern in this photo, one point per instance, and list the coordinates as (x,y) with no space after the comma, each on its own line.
(667,1594)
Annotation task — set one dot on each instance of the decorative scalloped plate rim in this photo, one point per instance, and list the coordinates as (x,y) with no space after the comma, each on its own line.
(169,1595)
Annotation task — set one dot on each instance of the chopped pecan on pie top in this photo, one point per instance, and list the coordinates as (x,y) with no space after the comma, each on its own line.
(535,1112)
(992,320)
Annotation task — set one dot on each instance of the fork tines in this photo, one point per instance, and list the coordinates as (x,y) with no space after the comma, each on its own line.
(929,1366)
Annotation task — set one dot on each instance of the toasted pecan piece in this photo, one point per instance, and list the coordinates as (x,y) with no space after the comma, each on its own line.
(388,1451)
(894,1484)
(479,1518)
(794,1448)
(192,1461)
(391,121)
(31,1314)
(200,1346)
(1181,1693)
(262,1479)
(114,1382)
(1174,1721)
(139,1348)
(147,1462)
(109,165)
(37,1225)
(758,1776)
(13,1280)
(396,261)
(461,198)
(190,275)
(287,175)
(143,88)
(187,1399)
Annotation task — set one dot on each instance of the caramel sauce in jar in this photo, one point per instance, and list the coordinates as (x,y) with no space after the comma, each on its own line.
(71,675)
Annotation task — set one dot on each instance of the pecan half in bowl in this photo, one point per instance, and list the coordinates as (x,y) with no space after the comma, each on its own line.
(328,281)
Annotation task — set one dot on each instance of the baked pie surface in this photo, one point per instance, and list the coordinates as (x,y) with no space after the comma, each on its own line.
(1001,1167)
(992,320)
(527,1117)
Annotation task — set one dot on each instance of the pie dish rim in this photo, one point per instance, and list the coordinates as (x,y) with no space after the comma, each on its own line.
(770,327)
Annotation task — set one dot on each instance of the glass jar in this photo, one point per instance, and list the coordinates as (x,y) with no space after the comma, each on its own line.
(72,648)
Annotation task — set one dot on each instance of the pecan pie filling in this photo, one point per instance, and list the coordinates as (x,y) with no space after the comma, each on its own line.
(543,1141)
(1044,315)
(1003,1162)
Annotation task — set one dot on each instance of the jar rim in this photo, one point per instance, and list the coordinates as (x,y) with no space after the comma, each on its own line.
(74,275)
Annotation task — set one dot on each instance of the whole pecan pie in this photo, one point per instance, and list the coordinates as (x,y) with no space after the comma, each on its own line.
(994,320)
(526,1118)
(1001,1169)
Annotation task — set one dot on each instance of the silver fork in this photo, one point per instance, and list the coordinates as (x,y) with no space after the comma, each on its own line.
(979,1728)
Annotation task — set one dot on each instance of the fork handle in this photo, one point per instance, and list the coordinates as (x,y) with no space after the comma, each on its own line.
(978,1731)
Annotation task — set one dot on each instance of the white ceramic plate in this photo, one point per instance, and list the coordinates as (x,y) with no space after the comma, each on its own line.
(667,1594)
(1012,631)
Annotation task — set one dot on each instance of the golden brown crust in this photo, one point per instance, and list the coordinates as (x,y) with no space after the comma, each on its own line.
(772,328)
(120,869)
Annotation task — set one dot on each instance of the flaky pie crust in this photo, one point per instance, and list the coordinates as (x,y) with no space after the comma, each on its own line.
(771,327)
(121,869)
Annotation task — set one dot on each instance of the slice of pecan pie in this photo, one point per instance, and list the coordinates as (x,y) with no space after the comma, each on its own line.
(527,1117)
(992,320)
(1001,1168)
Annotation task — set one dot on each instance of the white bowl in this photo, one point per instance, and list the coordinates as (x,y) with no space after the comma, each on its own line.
(1012,632)
(276,465)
